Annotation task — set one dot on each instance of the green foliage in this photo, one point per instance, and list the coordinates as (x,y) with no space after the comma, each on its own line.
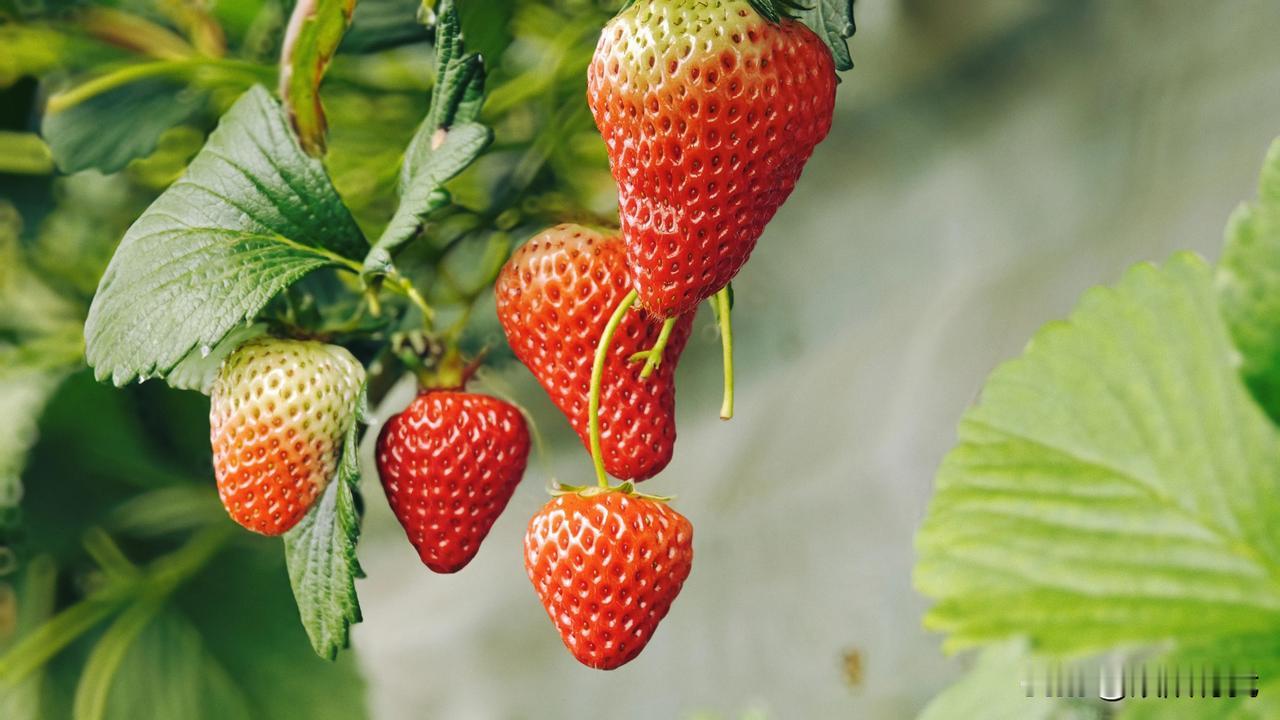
(1112,484)
(1249,286)
(321,553)
(1115,486)
(252,215)
(315,30)
(832,20)
(108,130)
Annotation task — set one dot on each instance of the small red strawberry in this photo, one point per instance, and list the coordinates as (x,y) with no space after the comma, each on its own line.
(279,410)
(709,113)
(554,298)
(607,566)
(449,464)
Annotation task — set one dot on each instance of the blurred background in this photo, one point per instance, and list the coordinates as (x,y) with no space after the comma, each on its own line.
(988,162)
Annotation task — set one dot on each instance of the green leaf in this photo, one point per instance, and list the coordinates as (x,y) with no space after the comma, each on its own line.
(167,670)
(1249,285)
(315,29)
(992,690)
(24,153)
(198,369)
(423,192)
(1243,654)
(321,554)
(108,130)
(381,24)
(1114,484)
(447,141)
(832,20)
(252,215)
(33,600)
(246,615)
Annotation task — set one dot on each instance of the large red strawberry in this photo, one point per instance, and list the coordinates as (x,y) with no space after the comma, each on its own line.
(278,414)
(449,464)
(554,298)
(607,566)
(709,112)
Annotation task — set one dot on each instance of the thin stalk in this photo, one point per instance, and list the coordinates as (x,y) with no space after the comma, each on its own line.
(720,303)
(597,379)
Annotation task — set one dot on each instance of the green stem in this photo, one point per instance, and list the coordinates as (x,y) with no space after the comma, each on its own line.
(597,379)
(720,303)
(139,71)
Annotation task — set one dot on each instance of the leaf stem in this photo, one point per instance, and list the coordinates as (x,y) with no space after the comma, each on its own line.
(597,379)
(720,303)
(653,356)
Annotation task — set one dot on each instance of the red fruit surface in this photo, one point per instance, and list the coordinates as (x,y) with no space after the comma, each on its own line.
(709,113)
(607,568)
(278,412)
(554,297)
(449,464)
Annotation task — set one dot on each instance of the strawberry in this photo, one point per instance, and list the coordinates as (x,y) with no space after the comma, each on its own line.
(606,566)
(709,112)
(279,410)
(554,297)
(449,464)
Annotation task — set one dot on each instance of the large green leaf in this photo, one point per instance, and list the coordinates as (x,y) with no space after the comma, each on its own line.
(107,130)
(1249,285)
(321,553)
(1115,484)
(253,214)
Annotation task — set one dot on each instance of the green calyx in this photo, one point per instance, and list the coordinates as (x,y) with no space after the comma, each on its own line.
(626,488)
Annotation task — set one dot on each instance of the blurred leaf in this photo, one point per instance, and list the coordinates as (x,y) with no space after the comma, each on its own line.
(28,50)
(24,153)
(108,130)
(321,554)
(252,215)
(33,598)
(832,20)
(382,24)
(166,669)
(1244,654)
(992,690)
(244,611)
(1249,285)
(1114,484)
(315,29)
(487,26)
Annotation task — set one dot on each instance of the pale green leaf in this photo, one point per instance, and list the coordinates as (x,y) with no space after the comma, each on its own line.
(1233,655)
(252,215)
(108,130)
(168,671)
(1115,484)
(321,554)
(1249,285)
(33,599)
(994,690)
(315,29)
(832,20)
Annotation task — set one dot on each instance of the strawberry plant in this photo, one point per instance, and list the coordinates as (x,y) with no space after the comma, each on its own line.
(343,226)
(1114,489)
